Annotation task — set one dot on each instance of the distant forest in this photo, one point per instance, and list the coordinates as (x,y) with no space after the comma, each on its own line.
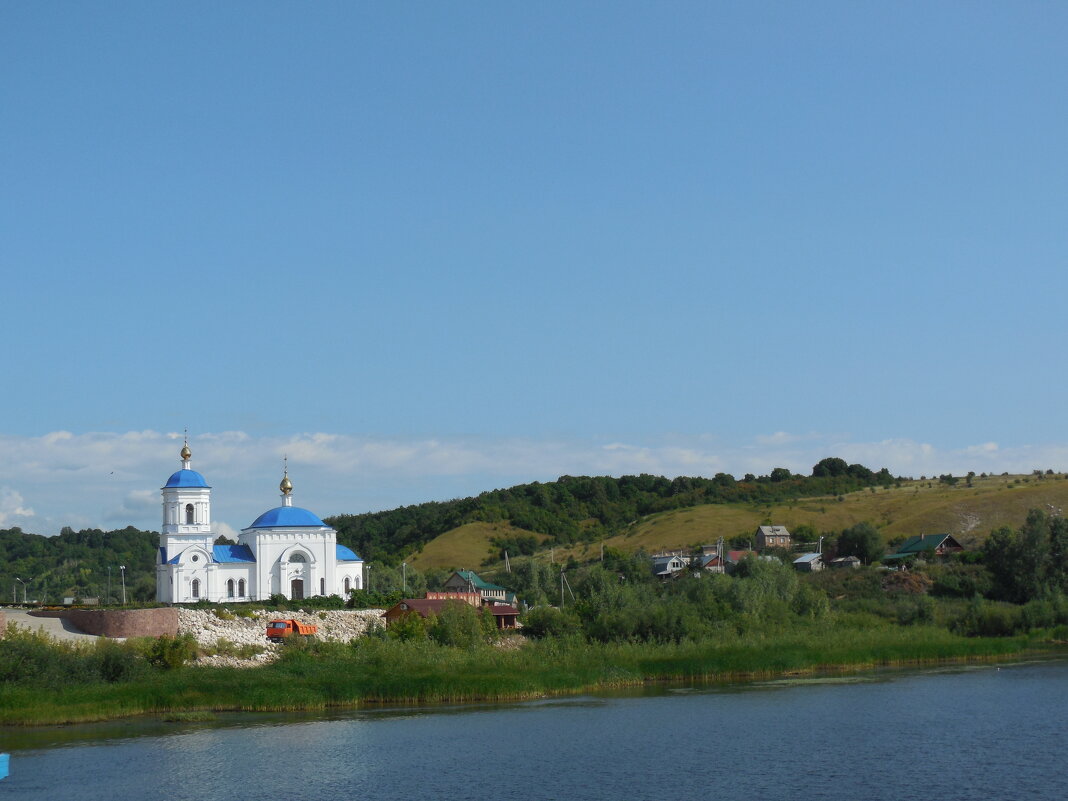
(570,509)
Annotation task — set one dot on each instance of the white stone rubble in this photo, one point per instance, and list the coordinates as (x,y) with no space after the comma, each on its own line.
(208,629)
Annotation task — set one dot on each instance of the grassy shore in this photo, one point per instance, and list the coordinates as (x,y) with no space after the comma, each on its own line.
(375,671)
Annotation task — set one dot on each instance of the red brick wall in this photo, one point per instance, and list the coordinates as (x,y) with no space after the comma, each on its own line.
(119,622)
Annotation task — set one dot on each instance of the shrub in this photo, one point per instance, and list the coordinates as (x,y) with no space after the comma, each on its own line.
(168,653)
(548,621)
(407,627)
(460,625)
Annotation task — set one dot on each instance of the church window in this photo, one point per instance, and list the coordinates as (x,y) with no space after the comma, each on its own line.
(189,514)
(297,557)
(241,588)
(322,586)
(348,585)
(196,588)
(230,588)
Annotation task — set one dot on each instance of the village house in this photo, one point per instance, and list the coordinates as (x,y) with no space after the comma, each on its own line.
(939,544)
(668,565)
(469,581)
(772,537)
(809,562)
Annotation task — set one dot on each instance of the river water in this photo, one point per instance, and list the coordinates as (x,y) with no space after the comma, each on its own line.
(961,733)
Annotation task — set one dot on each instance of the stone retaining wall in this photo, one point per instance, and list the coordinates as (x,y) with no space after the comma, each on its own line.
(119,622)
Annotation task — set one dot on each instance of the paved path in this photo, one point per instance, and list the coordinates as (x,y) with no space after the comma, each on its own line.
(58,627)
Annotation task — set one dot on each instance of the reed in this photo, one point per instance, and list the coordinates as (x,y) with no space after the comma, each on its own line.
(382,671)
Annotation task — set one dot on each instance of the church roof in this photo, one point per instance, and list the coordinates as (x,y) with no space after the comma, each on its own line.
(186,478)
(346,555)
(287,517)
(232,553)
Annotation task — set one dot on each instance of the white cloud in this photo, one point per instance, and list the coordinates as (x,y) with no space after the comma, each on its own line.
(12,505)
(92,478)
(221,529)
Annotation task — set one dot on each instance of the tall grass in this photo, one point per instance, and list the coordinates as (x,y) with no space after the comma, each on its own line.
(374,671)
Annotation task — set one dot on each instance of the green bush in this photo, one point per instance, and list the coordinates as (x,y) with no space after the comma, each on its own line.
(407,627)
(461,625)
(548,621)
(168,653)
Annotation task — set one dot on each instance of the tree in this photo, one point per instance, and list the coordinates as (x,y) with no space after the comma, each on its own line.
(861,541)
(780,474)
(831,467)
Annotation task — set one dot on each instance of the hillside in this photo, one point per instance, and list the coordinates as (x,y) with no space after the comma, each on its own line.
(584,509)
(468,546)
(916,507)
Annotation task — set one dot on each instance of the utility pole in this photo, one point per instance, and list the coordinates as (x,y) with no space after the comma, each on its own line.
(122,569)
(404,577)
(108,599)
(507,566)
(23,583)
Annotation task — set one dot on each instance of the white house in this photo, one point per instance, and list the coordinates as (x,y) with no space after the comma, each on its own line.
(286,550)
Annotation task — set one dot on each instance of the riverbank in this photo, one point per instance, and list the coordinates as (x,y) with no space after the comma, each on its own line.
(374,671)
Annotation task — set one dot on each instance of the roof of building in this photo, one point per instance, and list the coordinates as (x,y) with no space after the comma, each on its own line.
(424,606)
(778,531)
(737,556)
(925,542)
(344,554)
(232,553)
(186,478)
(287,517)
(807,558)
(479,584)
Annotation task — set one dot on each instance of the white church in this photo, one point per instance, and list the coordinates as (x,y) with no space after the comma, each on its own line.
(287,550)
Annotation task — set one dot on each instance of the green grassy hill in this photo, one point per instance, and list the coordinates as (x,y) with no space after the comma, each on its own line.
(917,507)
(465,547)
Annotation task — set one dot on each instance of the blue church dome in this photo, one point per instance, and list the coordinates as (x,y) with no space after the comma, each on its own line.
(287,517)
(186,478)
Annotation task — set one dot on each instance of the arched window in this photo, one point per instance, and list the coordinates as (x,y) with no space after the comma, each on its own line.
(230,588)
(189,514)
(196,588)
(348,585)
(241,588)
(297,557)
(322,586)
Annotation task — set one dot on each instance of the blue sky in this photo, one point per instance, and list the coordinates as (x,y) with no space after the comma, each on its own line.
(431,249)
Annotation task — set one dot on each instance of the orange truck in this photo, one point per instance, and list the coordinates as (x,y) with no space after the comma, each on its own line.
(278,630)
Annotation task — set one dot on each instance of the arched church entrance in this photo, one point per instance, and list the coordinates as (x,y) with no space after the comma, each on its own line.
(297,590)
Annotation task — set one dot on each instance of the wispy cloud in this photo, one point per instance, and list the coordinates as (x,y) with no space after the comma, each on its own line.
(113,478)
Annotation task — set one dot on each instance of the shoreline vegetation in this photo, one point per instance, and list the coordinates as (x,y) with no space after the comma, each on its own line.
(622,627)
(374,671)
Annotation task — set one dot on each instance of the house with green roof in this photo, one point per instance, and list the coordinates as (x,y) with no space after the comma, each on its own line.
(939,544)
(469,581)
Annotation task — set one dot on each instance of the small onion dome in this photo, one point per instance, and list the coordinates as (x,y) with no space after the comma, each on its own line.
(286,486)
(186,453)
